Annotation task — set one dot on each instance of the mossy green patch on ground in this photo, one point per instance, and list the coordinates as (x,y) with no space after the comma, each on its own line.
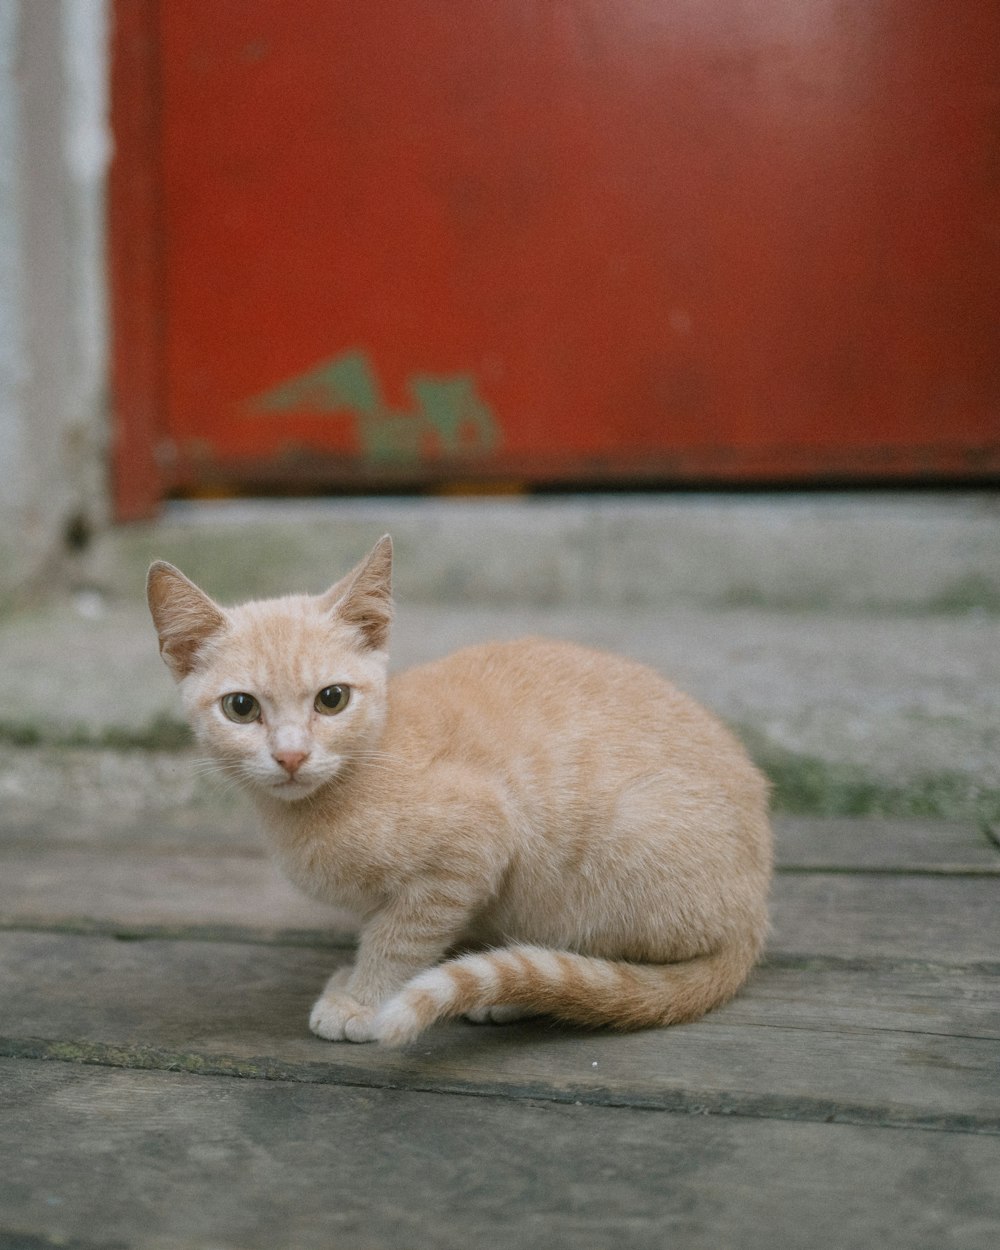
(161,733)
(972,593)
(805,785)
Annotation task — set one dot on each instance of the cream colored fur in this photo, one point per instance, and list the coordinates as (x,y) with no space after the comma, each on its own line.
(596,840)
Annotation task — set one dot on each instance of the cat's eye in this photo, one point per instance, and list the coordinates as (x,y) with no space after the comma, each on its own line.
(241,707)
(332,699)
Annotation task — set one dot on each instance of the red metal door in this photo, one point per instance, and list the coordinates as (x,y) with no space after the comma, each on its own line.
(554,240)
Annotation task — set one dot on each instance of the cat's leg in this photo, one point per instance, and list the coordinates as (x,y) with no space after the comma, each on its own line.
(413,933)
(340,978)
(334,1007)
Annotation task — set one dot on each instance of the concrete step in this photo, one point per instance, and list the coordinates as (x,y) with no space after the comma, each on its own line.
(861,552)
(891,704)
(851,640)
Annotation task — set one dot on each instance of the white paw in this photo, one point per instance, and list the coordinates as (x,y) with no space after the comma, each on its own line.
(506,1013)
(396,1024)
(337,1017)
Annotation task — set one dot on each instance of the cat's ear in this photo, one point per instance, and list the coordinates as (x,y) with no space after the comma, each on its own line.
(364,597)
(184,616)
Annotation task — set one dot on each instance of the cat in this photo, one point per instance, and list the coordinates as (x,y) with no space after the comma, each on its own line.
(525,828)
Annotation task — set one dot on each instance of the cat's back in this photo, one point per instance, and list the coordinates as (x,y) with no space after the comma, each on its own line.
(553,698)
(521,680)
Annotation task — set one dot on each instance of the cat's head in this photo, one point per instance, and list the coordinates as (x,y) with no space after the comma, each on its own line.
(284,693)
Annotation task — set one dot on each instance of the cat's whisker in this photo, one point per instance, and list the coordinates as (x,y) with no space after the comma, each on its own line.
(208,761)
(209,769)
(223,782)
(227,777)
(214,770)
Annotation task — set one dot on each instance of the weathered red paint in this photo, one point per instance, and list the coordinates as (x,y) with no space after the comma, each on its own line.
(662,241)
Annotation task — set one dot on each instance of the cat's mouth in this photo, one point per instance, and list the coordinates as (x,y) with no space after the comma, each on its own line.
(292,787)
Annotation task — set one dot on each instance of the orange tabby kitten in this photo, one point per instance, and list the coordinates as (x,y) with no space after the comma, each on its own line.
(593,840)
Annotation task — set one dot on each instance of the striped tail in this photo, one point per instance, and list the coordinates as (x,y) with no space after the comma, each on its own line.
(574,988)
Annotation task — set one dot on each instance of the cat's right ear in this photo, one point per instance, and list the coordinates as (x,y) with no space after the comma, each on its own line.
(364,597)
(184,616)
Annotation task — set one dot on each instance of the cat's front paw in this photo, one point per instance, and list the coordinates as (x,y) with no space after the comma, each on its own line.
(336,1017)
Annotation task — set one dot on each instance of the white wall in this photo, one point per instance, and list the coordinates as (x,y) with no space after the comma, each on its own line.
(54,149)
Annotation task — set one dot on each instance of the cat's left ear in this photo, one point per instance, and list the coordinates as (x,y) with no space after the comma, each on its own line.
(184,616)
(364,597)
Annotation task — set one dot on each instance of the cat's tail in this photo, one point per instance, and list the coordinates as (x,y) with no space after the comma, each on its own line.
(574,988)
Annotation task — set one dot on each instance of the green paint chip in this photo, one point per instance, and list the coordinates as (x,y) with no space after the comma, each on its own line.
(448,418)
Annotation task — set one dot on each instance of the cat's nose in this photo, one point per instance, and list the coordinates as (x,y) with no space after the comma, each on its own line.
(291,761)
